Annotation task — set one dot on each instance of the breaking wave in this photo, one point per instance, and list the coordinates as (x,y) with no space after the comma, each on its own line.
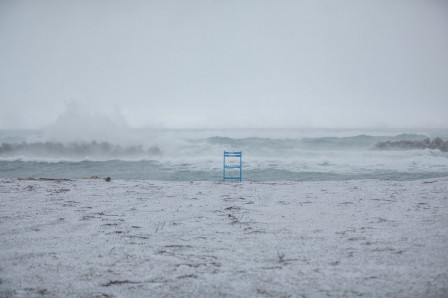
(184,146)
(319,143)
(197,154)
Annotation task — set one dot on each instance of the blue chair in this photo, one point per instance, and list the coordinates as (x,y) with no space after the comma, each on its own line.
(235,154)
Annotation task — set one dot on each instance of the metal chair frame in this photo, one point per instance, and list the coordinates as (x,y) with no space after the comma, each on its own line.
(238,154)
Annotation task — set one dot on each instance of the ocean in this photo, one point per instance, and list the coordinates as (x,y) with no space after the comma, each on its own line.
(195,155)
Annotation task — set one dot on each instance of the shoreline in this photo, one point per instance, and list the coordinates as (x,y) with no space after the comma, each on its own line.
(91,238)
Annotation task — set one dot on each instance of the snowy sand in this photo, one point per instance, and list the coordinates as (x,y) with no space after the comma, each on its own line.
(90,238)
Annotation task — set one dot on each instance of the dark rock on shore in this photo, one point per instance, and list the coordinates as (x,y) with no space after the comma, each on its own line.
(427,143)
(76,150)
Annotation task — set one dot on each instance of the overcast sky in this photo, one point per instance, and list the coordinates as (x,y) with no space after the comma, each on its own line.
(227,63)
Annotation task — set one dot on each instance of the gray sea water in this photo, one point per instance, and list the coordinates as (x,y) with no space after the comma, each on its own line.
(189,155)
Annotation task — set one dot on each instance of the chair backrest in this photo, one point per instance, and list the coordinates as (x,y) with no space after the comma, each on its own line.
(238,166)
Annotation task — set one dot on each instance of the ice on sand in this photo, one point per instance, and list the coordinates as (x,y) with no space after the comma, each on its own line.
(89,238)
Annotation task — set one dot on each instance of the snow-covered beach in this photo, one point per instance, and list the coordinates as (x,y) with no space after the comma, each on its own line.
(335,111)
(136,238)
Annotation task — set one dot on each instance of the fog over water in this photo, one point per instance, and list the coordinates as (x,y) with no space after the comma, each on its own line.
(215,64)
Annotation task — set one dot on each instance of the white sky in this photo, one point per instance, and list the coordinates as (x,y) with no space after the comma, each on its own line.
(233,63)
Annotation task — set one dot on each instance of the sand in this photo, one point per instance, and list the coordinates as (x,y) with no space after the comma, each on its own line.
(91,238)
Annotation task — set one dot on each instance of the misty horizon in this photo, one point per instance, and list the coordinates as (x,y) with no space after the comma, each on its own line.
(211,65)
